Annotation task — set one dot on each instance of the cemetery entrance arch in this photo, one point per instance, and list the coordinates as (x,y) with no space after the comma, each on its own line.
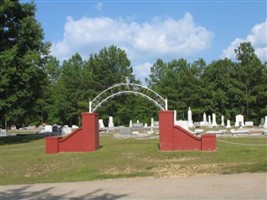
(171,137)
(128,88)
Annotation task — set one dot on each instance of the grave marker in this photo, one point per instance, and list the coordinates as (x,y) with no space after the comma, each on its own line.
(239,121)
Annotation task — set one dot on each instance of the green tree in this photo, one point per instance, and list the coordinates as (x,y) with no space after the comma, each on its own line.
(22,56)
(158,71)
(69,90)
(110,66)
(50,104)
(250,73)
(219,92)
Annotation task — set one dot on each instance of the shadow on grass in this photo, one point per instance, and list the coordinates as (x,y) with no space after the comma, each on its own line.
(25,192)
(21,138)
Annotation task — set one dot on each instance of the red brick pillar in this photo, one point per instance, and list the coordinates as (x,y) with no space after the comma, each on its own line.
(51,145)
(208,142)
(166,130)
(90,131)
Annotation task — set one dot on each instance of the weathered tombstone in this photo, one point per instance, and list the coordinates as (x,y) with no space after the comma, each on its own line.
(189,118)
(249,124)
(222,121)
(131,124)
(48,129)
(228,125)
(265,122)
(110,122)
(138,125)
(101,124)
(13,127)
(3,132)
(214,123)
(152,122)
(74,127)
(209,118)
(66,130)
(239,121)
(204,122)
(204,117)
(183,124)
(125,131)
(55,128)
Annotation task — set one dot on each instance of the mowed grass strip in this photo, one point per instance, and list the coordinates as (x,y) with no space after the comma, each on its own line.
(124,158)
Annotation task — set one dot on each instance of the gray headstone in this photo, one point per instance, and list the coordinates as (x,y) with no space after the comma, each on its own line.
(125,131)
(3,132)
(138,125)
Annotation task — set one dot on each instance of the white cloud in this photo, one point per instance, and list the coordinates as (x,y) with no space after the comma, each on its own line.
(142,71)
(257,37)
(143,42)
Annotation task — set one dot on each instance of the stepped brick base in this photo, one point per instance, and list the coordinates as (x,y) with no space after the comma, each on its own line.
(84,139)
(173,137)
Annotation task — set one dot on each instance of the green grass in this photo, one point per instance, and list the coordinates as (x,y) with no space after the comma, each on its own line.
(120,158)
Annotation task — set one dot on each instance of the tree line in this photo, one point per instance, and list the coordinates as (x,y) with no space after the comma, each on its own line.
(36,87)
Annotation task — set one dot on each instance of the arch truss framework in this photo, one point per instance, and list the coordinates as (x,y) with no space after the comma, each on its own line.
(128,88)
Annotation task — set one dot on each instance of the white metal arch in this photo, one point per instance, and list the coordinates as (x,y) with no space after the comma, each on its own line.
(128,88)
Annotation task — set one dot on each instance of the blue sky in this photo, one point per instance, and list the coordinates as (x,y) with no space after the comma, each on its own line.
(148,30)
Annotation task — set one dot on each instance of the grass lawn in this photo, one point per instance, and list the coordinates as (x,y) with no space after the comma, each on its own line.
(23,160)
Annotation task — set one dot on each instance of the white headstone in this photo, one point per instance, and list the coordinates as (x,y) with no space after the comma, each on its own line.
(265,122)
(110,122)
(101,123)
(183,124)
(156,123)
(203,123)
(174,116)
(152,122)
(209,118)
(137,122)
(204,117)
(145,125)
(74,127)
(189,118)
(239,121)
(131,124)
(214,123)
(222,119)
(249,124)
(66,129)
(228,125)
(48,129)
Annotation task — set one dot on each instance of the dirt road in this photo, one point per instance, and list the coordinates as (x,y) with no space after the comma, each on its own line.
(237,186)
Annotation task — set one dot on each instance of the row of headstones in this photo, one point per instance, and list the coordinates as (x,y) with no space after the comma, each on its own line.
(46,129)
(131,124)
(239,121)
(58,128)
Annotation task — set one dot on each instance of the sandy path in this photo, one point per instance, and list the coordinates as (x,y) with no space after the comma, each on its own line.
(237,186)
